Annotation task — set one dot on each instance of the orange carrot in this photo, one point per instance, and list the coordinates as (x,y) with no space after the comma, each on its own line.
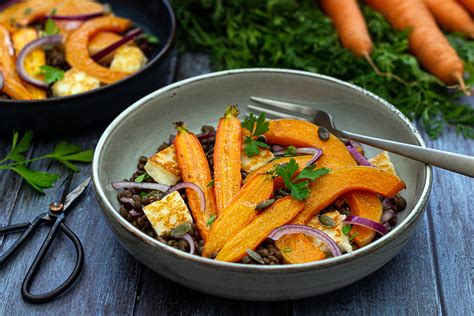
(195,168)
(468,4)
(350,25)
(426,40)
(227,150)
(452,16)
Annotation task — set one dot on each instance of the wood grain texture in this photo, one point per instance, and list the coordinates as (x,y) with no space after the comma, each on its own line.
(432,275)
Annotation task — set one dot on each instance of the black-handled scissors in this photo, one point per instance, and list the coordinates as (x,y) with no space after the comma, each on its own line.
(54,217)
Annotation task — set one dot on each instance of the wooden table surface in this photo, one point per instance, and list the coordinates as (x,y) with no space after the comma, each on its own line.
(432,275)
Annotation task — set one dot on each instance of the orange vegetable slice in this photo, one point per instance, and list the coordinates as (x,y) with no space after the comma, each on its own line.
(194,168)
(77,53)
(238,213)
(252,235)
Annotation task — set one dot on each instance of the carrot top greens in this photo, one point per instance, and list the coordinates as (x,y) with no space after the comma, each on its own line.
(297,34)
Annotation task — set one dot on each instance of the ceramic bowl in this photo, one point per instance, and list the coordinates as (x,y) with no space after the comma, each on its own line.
(202,100)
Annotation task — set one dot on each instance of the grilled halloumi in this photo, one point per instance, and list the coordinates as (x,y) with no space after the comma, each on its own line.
(334,232)
(128,59)
(74,82)
(249,164)
(167,213)
(382,161)
(163,167)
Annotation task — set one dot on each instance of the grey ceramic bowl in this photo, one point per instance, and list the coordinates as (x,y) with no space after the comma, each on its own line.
(202,100)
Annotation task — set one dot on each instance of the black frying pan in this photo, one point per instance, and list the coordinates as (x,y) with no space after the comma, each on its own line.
(103,104)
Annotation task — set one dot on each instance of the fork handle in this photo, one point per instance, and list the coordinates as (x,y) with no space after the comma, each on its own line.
(462,164)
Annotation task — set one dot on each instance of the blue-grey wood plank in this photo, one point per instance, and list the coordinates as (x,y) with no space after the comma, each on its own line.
(450,221)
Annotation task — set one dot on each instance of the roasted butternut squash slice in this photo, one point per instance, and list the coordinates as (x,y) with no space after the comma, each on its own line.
(238,213)
(276,215)
(77,52)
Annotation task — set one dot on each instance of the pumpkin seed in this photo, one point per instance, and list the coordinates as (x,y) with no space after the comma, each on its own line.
(260,206)
(323,133)
(181,229)
(255,256)
(326,221)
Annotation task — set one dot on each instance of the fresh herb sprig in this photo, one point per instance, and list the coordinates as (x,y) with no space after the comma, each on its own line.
(63,152)
(298,35)
(299,186)
(51,74)
(51,28)
(256,127)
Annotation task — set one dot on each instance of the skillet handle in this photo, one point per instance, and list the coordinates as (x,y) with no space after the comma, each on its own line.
(28,229)
(61,289)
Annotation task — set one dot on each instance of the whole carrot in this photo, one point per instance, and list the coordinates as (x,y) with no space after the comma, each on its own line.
(426,41)
(195,168)
(468,4)
(452,16)
(227,151)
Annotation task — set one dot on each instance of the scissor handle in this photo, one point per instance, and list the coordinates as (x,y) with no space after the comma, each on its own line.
(61,289)
(28,229)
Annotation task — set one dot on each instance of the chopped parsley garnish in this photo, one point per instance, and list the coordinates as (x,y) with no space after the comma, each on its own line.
(27,11)
(290,151)
(287,249)
(211,220)
(142,177)
(51,74)
(353,236)
(346,229)
(299,186)
(150,38)
(256,127)
(210,184)
(50,28)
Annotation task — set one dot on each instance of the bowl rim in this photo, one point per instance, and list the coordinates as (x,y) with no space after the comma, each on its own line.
(401,228)
(159,57)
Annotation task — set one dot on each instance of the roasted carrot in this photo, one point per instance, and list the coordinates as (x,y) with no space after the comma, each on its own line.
(77,52)
(13,86)
(426,40)
(195,168)
(468,4)
(33,61)
(227,151)
(367,205)
(452,16)
(238,213)
(277,214)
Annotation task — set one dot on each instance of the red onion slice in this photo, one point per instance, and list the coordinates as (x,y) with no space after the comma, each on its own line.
(316,152)
(142,185)
(20,62)
(361,160)
(356,220)
(190,241)
(135,213)
(195,187)
(276,148)
(302,229)
(76,17)
(2,81)
(127,200)
(130,36)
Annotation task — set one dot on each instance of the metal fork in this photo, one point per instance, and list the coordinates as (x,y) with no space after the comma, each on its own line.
(450,161)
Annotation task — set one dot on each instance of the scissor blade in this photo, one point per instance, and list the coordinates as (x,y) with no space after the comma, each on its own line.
(76,192)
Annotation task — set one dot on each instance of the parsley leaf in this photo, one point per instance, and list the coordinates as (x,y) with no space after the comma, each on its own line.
(150,38)
(50,27)
(51,74)
(142,177)
(353,236)
(256,127)
(299,186)
(211,220)
(290,151)
(39,180)
(346,229)
(210,184)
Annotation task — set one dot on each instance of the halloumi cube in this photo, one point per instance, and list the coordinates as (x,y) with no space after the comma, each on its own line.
(74,82)
(128,59)
(249,164)
(167,213)
(382,161)
(334,232)
(163,166)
